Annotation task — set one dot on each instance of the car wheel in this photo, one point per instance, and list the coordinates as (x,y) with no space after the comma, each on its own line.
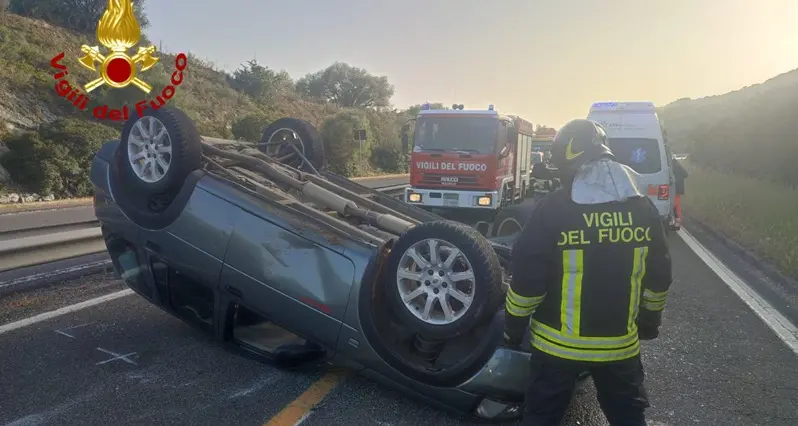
(281,137)
(443,279)
(511,220)
(157,151)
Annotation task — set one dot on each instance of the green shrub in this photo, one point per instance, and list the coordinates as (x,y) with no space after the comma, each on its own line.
(57,158)
(346,156)
(249,128)
(389,159)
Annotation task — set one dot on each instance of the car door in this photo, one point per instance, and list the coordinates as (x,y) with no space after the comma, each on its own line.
(186,257)
(282,266)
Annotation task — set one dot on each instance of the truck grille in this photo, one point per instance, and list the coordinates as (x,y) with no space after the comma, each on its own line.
(441,179)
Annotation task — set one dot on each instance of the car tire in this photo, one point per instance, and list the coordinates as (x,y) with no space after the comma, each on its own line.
(173,152)
(458,305)
(299,133)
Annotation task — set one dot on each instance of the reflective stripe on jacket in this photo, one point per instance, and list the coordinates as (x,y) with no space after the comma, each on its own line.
(583,272)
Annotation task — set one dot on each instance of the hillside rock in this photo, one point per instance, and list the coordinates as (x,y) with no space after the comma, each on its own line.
(23,111)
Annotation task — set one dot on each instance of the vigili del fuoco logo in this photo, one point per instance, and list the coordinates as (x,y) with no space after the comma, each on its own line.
(118,30)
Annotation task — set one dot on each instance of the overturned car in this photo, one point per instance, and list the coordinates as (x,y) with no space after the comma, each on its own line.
(259,246)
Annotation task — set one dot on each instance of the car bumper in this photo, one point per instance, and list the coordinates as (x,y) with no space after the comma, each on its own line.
(664,207)
(448,198)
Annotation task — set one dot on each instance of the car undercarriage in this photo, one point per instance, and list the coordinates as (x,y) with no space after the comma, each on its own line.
(261,247)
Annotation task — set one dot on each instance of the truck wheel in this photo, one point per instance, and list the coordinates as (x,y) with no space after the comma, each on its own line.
(511,220)
(157,151)
(443,279)
(483,227)
(280,138)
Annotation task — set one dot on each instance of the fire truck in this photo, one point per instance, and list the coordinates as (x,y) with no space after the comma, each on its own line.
(468,164)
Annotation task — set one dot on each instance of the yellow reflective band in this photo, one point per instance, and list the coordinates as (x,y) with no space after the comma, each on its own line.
(653,306)
(571,302)
(585,355)
(655,296)
(523,301)
(582,342)
(636,284)
(517,311)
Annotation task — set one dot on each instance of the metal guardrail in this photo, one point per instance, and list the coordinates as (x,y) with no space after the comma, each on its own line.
(394,191)
(34,246)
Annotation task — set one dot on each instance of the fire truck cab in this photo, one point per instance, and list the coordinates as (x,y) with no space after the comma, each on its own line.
(468,162)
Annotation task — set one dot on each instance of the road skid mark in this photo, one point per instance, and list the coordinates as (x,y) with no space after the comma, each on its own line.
(297,411)
(784,329)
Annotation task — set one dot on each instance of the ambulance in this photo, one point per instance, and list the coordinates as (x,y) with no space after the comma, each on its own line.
(637,138)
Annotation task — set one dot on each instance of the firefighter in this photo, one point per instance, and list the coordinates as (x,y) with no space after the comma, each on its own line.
(591,272)
(679,174)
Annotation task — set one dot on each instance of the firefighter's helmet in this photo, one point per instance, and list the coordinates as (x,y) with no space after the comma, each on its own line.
(578,142)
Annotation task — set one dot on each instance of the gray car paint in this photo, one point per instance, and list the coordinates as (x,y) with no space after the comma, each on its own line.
(264,252)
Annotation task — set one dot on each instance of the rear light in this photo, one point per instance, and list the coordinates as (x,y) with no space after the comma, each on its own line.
(662,192)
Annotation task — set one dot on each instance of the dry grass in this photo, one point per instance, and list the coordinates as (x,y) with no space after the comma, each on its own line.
(760,215)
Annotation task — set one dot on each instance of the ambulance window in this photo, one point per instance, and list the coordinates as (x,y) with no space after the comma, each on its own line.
(642,155)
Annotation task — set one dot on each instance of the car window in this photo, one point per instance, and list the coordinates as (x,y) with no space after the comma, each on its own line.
(643,155)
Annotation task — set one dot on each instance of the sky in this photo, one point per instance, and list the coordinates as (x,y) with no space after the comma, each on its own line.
(544,60)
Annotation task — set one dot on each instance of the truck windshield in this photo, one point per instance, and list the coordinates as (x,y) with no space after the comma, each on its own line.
(643,155)
(471,134)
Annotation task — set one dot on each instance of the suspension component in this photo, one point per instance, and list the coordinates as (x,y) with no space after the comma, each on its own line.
(427,349)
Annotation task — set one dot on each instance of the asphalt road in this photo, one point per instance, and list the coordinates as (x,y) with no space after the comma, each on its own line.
(126,362)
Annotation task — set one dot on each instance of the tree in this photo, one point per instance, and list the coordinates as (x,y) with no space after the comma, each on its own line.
(78,15)
(260,82)
(347,86)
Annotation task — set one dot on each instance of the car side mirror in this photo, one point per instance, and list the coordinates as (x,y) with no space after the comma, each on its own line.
(505,151)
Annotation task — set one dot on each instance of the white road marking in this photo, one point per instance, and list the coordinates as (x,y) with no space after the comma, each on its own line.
(116,356)
(45,417)
(63,311)
(256,386)
(302,419)
(784,329)
(57,272)
(63,333)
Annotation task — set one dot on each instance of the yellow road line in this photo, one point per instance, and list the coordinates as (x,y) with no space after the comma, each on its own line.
(300,407)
